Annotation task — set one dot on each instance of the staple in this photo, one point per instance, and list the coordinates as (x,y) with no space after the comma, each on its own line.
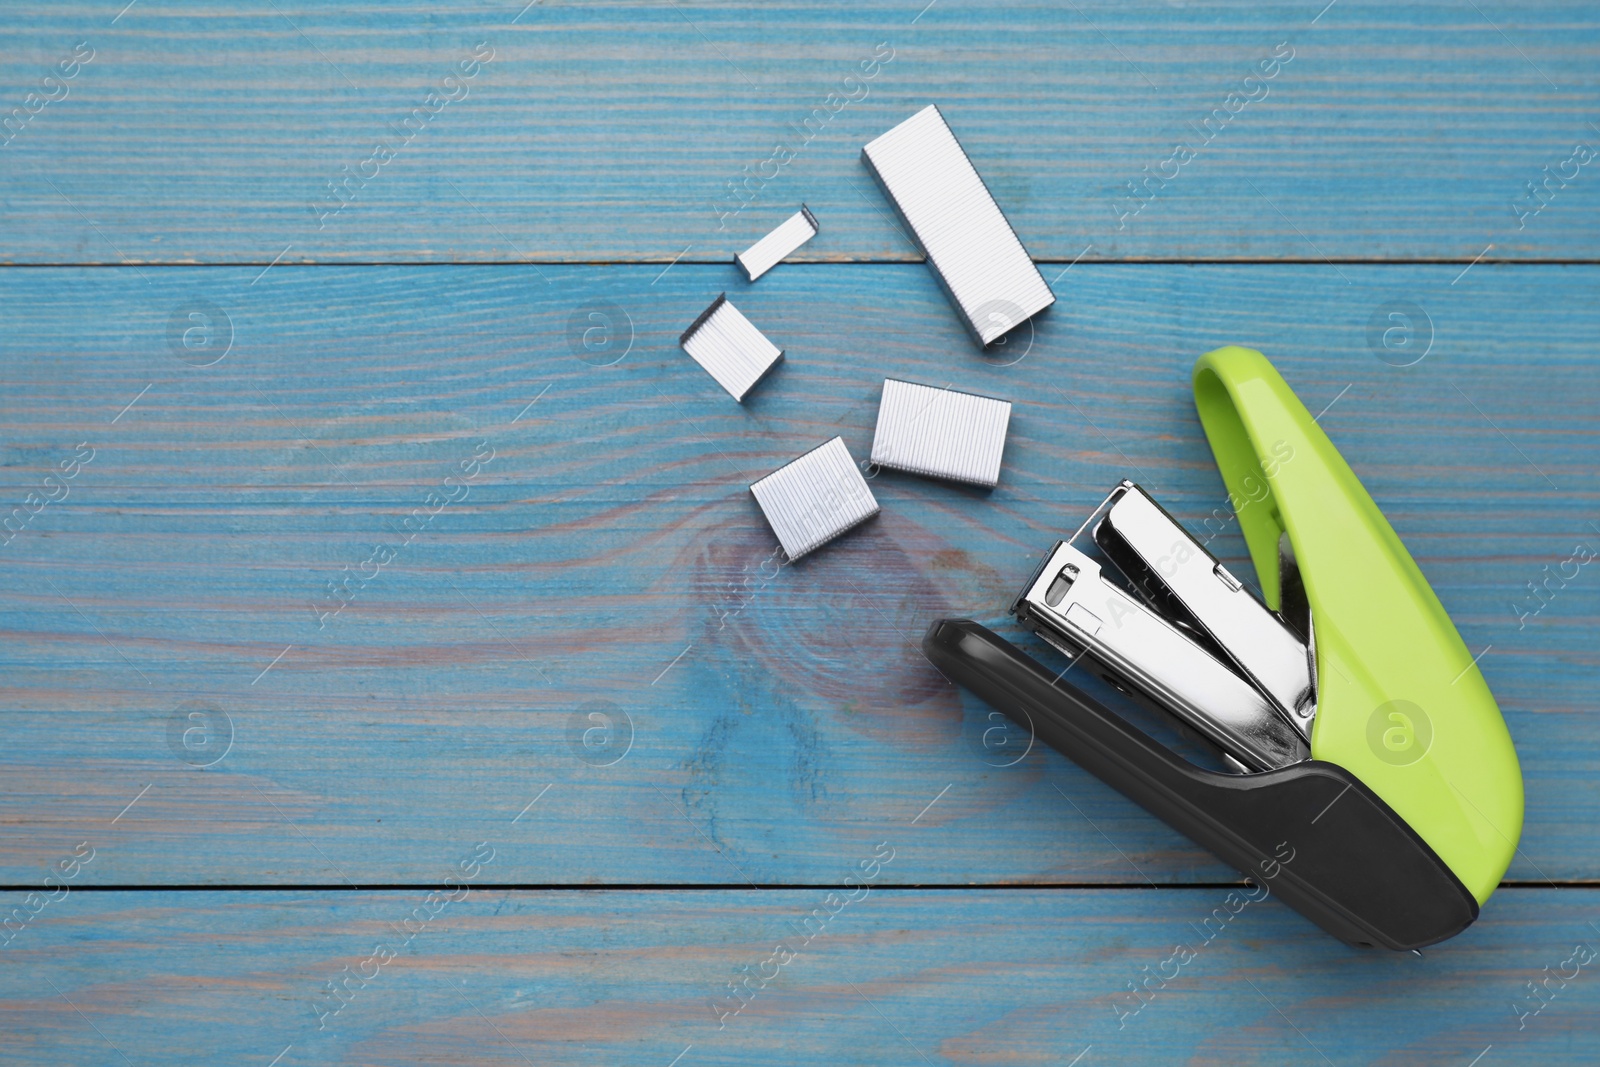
(972,249)
(811,500)
(940,433)
(772,249)
(730,348)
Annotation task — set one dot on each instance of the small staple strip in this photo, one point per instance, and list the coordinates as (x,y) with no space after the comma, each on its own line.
(940,433)
(730,348)
(778,245)
(811,500)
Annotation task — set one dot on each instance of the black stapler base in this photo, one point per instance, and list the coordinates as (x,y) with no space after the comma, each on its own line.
(1353,866)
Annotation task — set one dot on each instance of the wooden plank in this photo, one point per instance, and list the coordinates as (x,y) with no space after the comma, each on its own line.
(610,552)
(894,977)
(611,131)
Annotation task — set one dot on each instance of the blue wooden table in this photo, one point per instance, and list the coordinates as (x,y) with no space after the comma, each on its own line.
(541,776)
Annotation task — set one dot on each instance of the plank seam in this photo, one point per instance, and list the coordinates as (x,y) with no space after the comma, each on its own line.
(1133,262)
(697,887)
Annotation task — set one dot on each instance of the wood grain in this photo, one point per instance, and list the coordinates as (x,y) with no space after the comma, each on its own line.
(585,659)
(610,131)
(609,552)
(896,977)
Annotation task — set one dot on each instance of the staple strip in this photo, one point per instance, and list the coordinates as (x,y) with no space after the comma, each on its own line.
(811,500)
(973,250)
(730,348)
(940,433)
(772,249)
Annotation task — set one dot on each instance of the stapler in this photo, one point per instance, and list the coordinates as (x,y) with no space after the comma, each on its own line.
(1365,772)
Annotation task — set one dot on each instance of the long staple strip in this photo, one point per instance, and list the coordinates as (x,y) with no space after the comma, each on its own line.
(973,250)
(940,433)
(776,246)
(730,348)
(811,500)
